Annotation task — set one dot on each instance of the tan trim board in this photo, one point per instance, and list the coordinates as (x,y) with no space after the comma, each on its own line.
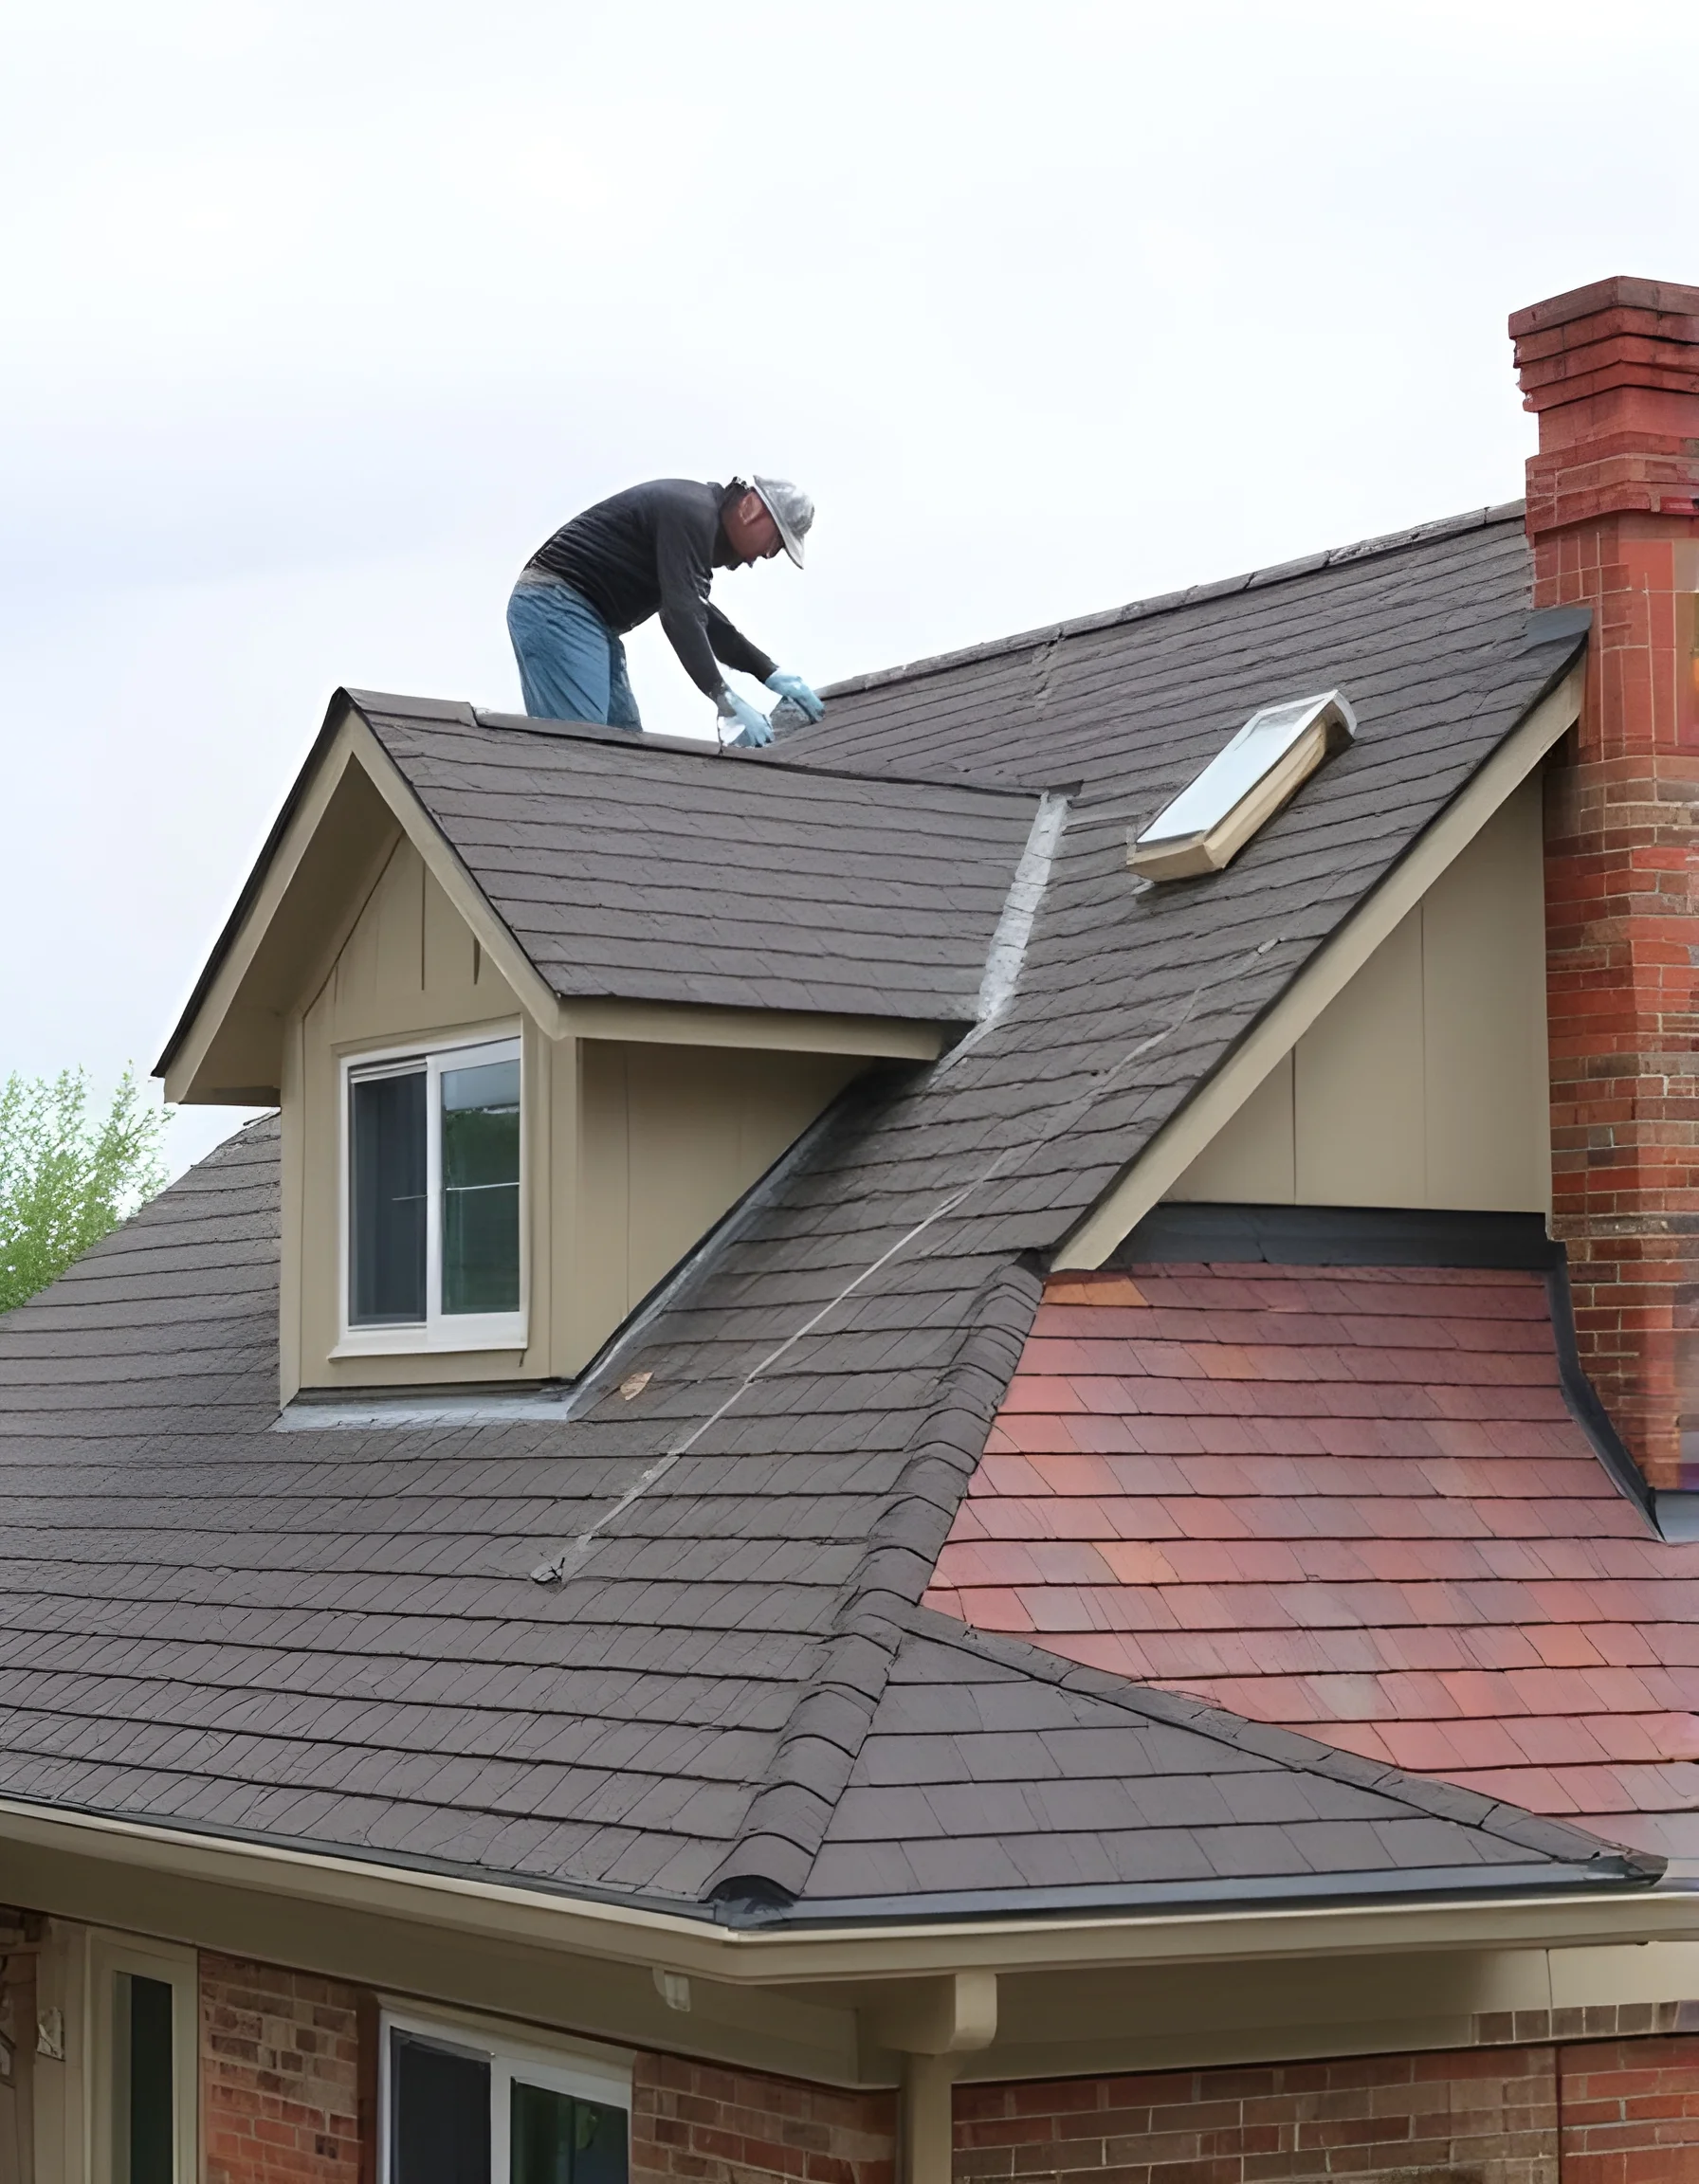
(628,1934)
(185,1058)
(786,1031)
(1171,1152)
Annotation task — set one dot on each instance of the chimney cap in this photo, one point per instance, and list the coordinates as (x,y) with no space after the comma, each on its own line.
(1621,292)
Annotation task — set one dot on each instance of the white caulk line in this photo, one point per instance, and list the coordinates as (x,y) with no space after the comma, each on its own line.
(560,1565)
(1014,927)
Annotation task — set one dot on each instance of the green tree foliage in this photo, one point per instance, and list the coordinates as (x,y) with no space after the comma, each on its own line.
(67,1177)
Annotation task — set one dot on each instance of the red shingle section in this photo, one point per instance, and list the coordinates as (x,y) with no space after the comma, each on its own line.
(1350,1501)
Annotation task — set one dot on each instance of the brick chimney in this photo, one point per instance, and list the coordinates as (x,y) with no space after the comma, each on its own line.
(1612,516)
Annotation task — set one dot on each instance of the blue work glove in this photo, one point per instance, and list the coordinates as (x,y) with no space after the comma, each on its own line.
(750,719)
(797,691)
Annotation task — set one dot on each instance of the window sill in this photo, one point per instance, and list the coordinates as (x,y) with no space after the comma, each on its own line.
(431,1342)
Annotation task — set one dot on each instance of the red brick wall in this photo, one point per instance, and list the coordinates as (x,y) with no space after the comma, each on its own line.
(713,2126)
(1630,2112)
(281,2077)
(1613,373)
(285,2074)
(1621,2112)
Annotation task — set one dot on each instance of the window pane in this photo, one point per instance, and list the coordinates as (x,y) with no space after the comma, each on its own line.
(439,2114)
(142,2120)
(480,1188)
(556,2140)
(598,2144)
(542,2136)
(387,1189)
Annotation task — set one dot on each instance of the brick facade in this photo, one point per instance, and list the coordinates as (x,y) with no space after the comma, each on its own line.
(288,2064)
(1630,2112)
(1610,2111)
(709,2125)
(1612,373)
(281,2076)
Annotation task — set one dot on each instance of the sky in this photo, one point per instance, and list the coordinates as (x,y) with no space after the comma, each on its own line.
(315,320)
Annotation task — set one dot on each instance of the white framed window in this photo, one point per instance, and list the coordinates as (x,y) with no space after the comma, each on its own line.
(463,2104)
(432,1192)
(145,2029)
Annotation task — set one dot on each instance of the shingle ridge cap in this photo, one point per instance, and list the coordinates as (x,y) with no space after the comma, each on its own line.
(1172,602)
(444,711)
(827,1722)
(1289,1748)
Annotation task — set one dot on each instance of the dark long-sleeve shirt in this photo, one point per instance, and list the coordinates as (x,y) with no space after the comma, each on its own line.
(653,550)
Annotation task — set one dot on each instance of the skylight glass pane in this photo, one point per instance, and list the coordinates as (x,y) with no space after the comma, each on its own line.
(1234,772)
(480,1188)
(387,1194)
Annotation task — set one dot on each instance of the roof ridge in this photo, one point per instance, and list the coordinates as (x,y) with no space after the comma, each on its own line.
(1171,602)
(393,705)
(829,1720)
(1289,1747)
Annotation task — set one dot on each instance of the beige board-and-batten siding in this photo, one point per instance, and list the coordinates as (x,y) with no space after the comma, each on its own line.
(633,1149)
(1423,1082)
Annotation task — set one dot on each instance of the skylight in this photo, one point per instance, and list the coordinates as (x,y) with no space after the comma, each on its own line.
(1242,786)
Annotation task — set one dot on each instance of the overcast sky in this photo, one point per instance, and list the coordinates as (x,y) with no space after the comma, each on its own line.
(316,319)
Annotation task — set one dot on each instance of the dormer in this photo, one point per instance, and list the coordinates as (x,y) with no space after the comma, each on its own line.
(541,1004)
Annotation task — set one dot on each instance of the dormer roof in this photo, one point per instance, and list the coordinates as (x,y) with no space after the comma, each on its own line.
(648,868)
(848,909)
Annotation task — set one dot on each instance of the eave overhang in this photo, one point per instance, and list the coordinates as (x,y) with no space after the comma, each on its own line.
(1575,1907)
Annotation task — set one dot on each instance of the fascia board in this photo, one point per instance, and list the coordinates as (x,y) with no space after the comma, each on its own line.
(1181,1139)
(637,1935)
(265,890)
(782,1031)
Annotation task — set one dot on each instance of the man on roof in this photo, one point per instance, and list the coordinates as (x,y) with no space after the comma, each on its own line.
(653,550)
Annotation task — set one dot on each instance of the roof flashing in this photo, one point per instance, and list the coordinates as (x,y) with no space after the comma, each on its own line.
(1244,785)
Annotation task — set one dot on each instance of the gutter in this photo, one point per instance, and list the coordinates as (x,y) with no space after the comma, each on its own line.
(1587,1909)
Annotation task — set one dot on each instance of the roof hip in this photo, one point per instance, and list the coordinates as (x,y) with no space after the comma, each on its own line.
(811,1767)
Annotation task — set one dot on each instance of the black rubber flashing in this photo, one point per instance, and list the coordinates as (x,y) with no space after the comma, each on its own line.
(1582,1397)
(1336,1236)
(1555,625)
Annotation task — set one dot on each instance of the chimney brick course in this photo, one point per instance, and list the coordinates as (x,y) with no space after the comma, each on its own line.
(1612,370)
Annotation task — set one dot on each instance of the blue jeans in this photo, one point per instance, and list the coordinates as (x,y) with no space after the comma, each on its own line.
(572,666)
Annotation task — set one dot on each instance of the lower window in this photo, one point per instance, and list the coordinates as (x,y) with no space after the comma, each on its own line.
(144,2040)
(143,2077)
(434,1213)
(459,2110)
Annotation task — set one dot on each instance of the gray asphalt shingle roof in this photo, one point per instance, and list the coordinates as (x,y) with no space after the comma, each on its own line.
(330,1635)
(664,871)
